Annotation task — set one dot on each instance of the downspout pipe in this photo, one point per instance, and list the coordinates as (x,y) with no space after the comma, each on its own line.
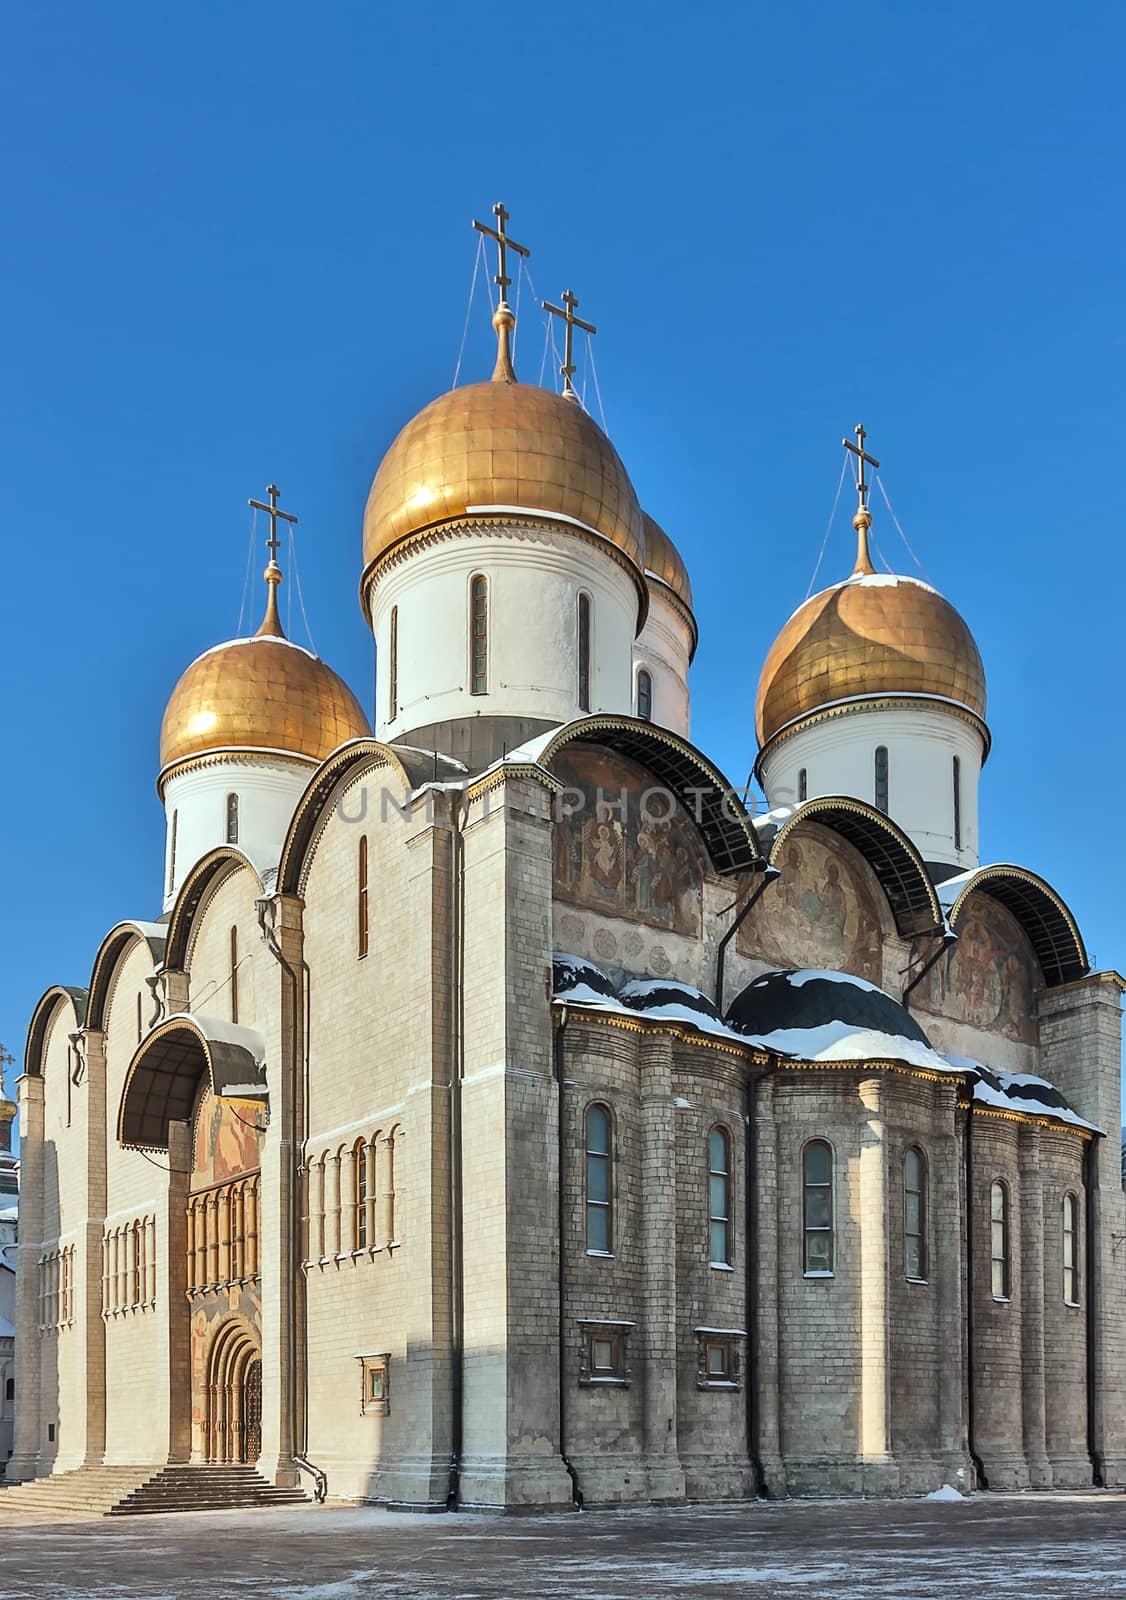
(768,876)
(971,1442)
(1098,1474)
(560,1083)
(949,940)
(751,1267)
(298,1391)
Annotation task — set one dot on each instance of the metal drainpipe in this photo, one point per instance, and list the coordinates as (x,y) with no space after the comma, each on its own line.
(751,1267)
(971,1444)
(457,1068)
(768,876)
(948,942)
(1098,1475)
(298,1392)
(576,1492)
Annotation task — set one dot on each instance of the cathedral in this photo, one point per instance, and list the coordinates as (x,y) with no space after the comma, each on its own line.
(492,1109)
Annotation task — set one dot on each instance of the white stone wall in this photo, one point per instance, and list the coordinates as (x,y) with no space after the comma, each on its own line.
(664,649)
(268,789)
(838,755)
(535,574)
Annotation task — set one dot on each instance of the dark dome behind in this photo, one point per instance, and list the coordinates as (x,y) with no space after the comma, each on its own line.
(778,1000)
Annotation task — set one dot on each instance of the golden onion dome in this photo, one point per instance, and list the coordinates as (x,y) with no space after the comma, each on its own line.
(262,693)
(873,634)
(664,562)
(502,444)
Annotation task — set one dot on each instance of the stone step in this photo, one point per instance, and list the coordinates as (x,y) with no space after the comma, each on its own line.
(123,1491)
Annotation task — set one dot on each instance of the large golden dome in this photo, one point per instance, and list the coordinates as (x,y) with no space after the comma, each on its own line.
(264,693)
(665,562)
(502,443)
(874,634)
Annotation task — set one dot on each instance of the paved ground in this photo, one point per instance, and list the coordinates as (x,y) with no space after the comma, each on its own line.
(1005,1547)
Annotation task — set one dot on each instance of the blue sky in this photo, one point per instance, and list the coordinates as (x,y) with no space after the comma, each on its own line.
(238,249)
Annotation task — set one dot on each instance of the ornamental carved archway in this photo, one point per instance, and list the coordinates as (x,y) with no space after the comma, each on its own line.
(233,1415)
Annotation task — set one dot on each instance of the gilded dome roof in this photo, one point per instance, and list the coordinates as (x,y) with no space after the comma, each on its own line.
(264,693)
(873,634)
(502,443)
(665,562)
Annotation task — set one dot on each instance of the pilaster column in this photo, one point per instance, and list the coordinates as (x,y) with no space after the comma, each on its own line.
(763,1376)
(657,1335)
(371,1176)
(948,1245)
(87,1285)
(172,1307)
(1030,1222)
(387,1193)
(879,1473)
(28,1361)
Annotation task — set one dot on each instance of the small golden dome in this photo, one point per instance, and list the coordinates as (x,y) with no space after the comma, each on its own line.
(664,561)
(873,634)
(502,443)
(264,693)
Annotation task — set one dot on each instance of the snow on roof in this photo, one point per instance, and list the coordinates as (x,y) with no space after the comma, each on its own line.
(217,1030)
(883,580)
(258,638)
(581,983)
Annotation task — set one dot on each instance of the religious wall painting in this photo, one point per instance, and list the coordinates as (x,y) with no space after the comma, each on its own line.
(227,1139)
(623,845)
(988,979)
(822,912)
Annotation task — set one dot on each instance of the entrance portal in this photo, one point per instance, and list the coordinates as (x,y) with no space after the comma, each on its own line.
(234,1395)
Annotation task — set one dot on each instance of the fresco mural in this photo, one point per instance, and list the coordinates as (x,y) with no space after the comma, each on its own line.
(623,845)
(990,977)
(226,1141)
(822,912)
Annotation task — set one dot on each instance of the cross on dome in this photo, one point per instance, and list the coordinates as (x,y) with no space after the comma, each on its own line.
(571,322)
(862,521)
(503,319)
(271,622)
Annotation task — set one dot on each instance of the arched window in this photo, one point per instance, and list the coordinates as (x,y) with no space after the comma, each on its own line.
(719,1198)
(1071,1250)
(645,696)
(232,819)
(234,974)
(817,1209)
(599,1219)
(172,852)
(882,778)
(393,668)
(957,775)
(584,652)
(999,1239)
(915,1215)
(362,898)
(803,786)
(359,1194)
(479,634)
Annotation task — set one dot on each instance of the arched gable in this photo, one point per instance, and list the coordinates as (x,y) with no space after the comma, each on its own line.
(411,767)
(205,876)
(108,960)
(41,1018)
(1050,927)
(892,856)
(722,819)
(162,1083)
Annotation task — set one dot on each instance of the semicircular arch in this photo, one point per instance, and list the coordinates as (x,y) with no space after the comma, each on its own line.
(896,862)
(1050,927)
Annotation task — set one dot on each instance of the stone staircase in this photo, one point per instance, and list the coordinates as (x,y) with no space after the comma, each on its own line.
(139,1491)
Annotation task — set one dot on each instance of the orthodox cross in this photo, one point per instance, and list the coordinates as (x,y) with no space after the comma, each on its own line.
(7,1059)
(273,513)
(504,245)
(862,456)
(572,322)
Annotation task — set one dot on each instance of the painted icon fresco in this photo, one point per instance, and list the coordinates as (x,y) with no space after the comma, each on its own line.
(822,912)
(227,1142)
(623,845)
(990,977)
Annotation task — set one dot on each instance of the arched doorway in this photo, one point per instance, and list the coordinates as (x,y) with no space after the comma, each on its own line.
(233,1428)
